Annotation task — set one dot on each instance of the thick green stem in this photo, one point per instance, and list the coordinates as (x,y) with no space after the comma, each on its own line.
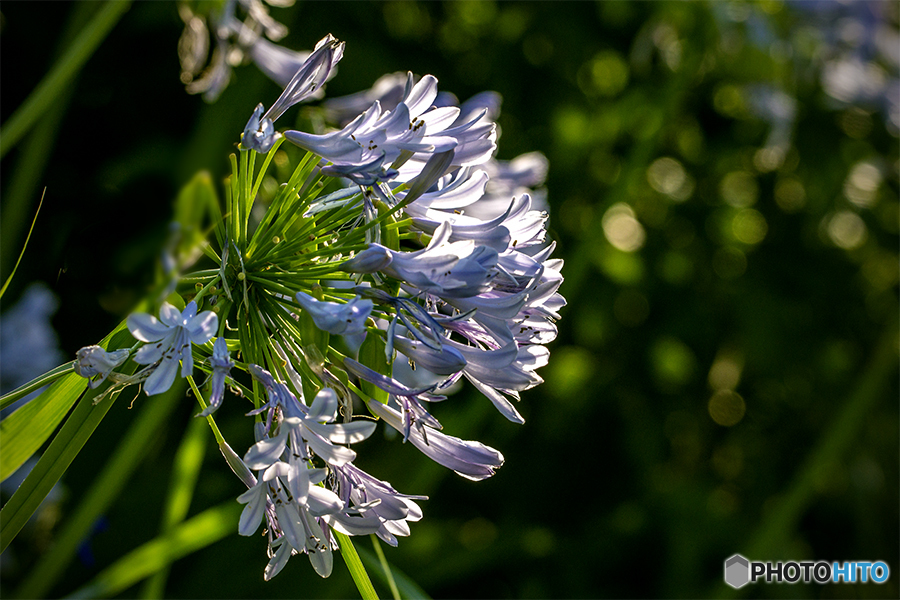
(357,570)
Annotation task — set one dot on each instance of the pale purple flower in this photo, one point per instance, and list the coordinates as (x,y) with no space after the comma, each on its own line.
(375,499)
(472,460)
(94,360)
(340,319)
(259,134)
(169,339)
(221,364)
(371,148)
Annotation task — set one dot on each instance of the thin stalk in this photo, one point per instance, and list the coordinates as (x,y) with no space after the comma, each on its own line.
(265,166)
(24,246)
(385,567)
(357,570)
(212,422)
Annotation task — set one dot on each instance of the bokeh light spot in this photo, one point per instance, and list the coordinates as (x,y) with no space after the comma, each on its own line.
(790,195)
(847,230)
(568,372)
(604,75)
(725,373)
(861,185)
(739,189)
(667,176)
(749,226)
(673,362)
(622,229)
(727,408)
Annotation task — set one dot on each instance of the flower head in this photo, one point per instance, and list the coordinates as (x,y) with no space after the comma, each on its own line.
(173,334)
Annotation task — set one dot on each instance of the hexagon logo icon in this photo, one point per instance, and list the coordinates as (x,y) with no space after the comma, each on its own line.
(737,571)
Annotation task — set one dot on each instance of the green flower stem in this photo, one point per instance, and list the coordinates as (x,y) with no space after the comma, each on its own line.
(283,211)
(357,570)
(271,285)
(385,567)
(406,587)
(42,98)
(36,384)
(232,201)
(185,471)
(265,166)
(203,291)
(105,489)
(203,405)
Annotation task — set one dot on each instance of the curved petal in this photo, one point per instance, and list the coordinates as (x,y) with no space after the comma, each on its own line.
(146,328)
(202,327)
(162,377)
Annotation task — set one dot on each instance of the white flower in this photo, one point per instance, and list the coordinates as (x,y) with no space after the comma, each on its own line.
(173,333)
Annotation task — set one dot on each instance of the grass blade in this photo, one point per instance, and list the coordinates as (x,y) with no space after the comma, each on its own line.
(186,470)
(76,431)
(26,429)
(36,384)
(25,245)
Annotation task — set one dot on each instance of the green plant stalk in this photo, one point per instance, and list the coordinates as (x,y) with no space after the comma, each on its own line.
(36,383)
(773,534)
(385,567)
(185,472)
(200,531)
(209,419)
(105,489)
(70,62)
(406,587)
(357,570)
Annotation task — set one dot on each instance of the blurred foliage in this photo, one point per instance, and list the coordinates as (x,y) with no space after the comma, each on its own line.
(729,221)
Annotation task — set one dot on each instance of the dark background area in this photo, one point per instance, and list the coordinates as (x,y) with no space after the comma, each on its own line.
(732,293)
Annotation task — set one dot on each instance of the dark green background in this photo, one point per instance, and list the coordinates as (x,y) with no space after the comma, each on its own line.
(620,484)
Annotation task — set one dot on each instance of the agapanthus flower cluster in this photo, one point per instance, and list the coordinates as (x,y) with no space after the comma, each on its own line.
(399,258)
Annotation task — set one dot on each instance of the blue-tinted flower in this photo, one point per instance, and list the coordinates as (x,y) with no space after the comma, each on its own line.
(168,340)
(221,364)
(472,460)
(336,318)
(259,133)
(373,146)
(94,360)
